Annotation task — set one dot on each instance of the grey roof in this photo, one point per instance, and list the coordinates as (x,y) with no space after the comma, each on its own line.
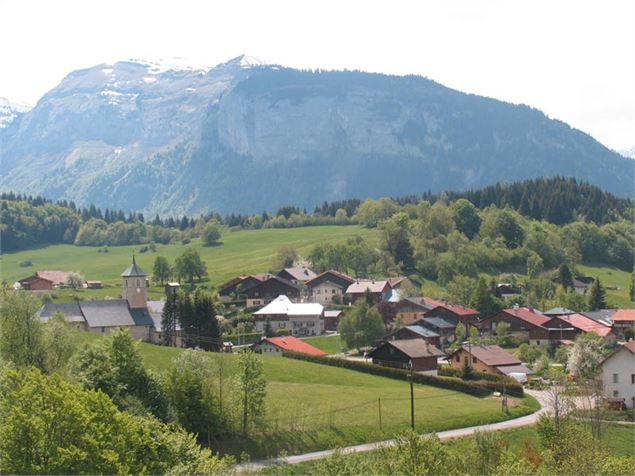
(156,322)
(413,348)
(333,313)
(156,306)
(300,273)
(602,315)
(438,322)
(134,269)
(71,311)
(141,317)
(107,313)
(422,331)
(510,369)
(558,311)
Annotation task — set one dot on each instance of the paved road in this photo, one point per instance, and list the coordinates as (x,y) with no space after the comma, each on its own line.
(526,420)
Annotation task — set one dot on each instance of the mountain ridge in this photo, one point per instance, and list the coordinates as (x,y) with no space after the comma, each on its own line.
(243,136)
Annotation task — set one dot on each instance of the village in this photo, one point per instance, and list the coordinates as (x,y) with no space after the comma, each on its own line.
(422,335)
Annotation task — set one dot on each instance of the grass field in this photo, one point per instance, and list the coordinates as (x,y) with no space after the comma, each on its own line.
(612,278)
(328,344)
(244,251)
(312,406)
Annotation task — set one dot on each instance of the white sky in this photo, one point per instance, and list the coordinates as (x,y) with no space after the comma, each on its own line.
(575,60)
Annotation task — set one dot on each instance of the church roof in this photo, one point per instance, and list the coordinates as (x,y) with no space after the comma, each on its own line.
(133,270)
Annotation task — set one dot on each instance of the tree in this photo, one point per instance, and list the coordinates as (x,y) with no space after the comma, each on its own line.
(535,265)
(252,390)
(565,277)
(189,265)
(161,269)
(190,391)
(59,343)
(75,280)
(387,312)
(459,333)
(529,353)
(460,289)
(169,319)
(51,426)
(268,329)
(361,326)
(21,339)
(466,217)
(395,239)
(483,300)
(596,296)
(587,352)
(632,287)
(211,233)
(285,257)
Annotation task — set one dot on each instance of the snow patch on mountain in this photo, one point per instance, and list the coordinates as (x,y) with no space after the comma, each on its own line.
(9,110)
(629,153)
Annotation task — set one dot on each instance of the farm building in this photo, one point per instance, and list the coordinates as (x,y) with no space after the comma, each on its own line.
(278,345)
(403,354)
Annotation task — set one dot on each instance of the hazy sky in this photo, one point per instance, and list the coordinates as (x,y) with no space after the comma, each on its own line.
(575,60)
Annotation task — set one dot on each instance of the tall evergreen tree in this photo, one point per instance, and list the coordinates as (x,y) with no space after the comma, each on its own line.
(169,319)
(597,296)
(565,276)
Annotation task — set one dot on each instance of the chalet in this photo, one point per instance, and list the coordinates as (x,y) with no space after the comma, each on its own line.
(566,328)
(300,319)
(415,332)
(278,345)
(623,321)
(455,313)
(396,288)
(298,275)
(490,359)
(508,290)
(239,285)
(519,319)
(268,289)
(379,290)
(93,285)
(417,354)
(104,316)
(58,278)
(618,374)
(36,283)
(411,309)
(328,287)
(332,319)
(444,327)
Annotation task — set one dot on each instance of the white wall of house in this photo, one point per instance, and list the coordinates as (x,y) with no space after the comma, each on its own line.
(137,332)
(306,325)
(618,376)
(267,348)
(325,292)
(276,324)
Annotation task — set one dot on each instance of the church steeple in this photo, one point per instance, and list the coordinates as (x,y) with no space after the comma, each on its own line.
(134,288)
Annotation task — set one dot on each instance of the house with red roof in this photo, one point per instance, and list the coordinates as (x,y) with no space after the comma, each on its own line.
(278,345)
(618,374)
(519,320)
(567,327)
(623,319)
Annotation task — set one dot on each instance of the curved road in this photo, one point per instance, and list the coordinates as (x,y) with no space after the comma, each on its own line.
(526,420)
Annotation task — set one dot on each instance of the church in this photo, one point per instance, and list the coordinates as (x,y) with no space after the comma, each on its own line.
(105,315)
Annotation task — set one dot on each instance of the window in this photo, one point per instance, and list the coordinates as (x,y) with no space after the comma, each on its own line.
(317,291)
(473,359)
(616,378)
(616,393)
(458,358)
(103,329)
(633,378)
(332,291)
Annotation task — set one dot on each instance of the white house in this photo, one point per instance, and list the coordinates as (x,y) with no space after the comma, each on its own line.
(618,373)
(300,319)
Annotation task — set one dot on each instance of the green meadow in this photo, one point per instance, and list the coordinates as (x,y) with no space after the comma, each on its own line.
(243,251)
(615,281)
(312,406)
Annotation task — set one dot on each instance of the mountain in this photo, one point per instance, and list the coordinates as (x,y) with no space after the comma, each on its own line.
(9,111)
(629,153)
(245,136)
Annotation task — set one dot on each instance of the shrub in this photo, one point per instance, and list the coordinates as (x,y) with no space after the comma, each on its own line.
(25,264)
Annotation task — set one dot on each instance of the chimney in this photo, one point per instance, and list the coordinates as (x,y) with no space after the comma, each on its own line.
(531,309)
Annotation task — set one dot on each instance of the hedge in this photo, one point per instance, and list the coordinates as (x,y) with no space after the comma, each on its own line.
(493,381)
(473,387)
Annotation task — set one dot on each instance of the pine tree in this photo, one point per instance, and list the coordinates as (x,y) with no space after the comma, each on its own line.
(169,319)
(597,296)
(566,278)
(268,328)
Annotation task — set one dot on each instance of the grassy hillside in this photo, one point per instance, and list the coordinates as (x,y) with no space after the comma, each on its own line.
(615,281)
(244,251)
(312,406)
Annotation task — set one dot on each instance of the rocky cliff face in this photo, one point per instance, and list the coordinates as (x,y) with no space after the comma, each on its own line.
(242,137)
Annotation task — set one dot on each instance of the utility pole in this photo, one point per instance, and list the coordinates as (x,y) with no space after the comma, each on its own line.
(412,397)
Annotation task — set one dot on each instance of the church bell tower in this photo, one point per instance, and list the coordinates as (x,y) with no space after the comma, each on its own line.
(134,288)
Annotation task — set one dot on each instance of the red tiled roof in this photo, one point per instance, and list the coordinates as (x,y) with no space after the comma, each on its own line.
(528,315)
(56,277)
(459,310)
(622,315)
(585,324)
(293,344)
(431,302)
(492,355)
